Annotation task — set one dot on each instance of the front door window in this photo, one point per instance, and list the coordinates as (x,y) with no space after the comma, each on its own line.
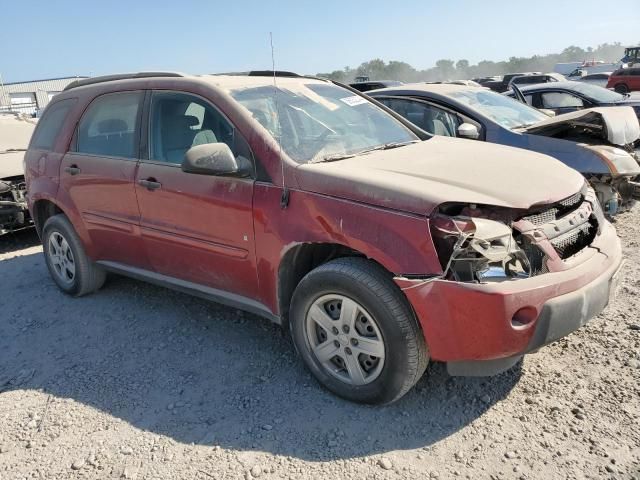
(180,121)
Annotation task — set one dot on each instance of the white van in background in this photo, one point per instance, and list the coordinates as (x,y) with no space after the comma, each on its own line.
(591,69)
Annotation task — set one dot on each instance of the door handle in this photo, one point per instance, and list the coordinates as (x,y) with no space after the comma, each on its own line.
(150,184)
(72,170)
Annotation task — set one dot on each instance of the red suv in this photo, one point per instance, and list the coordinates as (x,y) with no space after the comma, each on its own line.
(300,200)
(625,80)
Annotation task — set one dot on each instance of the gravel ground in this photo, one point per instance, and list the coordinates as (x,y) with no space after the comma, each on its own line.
(141,382)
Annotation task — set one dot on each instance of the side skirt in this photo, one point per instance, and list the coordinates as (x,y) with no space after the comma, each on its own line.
(197,290)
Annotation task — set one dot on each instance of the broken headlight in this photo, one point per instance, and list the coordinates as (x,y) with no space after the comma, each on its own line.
(617,160)
(477,250)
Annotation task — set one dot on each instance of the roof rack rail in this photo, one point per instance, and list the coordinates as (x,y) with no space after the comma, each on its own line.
(271,73)
(119,76)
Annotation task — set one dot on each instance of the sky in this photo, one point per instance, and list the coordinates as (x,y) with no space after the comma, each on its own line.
(80,37)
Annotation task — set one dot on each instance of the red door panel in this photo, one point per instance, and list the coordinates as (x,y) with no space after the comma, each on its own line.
(103,190)
(199,228)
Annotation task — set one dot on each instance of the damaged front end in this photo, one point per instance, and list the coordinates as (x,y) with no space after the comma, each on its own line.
(483,244)
(477,249)
(14,213)
(614,126)
(610,136)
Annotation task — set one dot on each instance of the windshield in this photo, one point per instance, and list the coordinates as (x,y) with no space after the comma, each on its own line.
(599,94)
(503,110)
(320,122)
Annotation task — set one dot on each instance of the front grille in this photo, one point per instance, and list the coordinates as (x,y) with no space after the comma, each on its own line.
(538,219)
(557,211)
(574,241)
(565,244)
(572,201)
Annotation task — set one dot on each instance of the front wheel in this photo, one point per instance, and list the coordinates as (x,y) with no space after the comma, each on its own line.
(356,332)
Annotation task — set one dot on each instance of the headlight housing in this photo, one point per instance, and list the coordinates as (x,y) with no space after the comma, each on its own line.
(618,160)
(477,249)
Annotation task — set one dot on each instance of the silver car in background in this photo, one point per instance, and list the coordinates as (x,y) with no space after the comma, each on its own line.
(600,143)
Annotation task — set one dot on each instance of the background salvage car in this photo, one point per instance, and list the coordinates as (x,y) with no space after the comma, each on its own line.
(599,79)
(625,80)
(15,132)
(599,143)
(564,97)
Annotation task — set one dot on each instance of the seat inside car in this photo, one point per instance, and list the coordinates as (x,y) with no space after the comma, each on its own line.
(433,124)
(113,135)
(177,132)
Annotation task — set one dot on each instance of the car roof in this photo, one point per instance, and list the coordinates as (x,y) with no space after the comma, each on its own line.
(568,85)
(368,82)
(438,88)
(231,82)
(597,74)
(222,81)
(630,70)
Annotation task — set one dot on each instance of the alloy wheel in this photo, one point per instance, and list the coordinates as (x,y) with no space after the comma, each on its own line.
(345,339)
(61,258)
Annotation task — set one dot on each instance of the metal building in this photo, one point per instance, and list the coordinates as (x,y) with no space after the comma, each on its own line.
(31,97)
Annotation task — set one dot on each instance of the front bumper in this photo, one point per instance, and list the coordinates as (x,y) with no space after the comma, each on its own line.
(472,328)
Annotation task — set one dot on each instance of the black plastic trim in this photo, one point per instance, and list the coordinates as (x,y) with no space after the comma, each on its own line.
(197,290)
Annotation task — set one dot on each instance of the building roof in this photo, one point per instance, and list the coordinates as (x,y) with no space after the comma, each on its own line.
(45,80)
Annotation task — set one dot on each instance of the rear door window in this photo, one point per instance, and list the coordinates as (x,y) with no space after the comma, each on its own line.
(560,100)
(50,124)
(110,126)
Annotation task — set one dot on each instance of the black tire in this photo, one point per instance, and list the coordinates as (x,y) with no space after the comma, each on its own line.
(88,277)
(621,88)
(368,284)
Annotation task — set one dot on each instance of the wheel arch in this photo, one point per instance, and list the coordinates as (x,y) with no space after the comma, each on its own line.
(300,259)
(621,84)
(42,210)
(45,207)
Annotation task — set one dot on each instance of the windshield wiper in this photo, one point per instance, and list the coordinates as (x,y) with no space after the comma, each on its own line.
(332,158)
(525,125)
(11,150)
(342,156)
(388,146)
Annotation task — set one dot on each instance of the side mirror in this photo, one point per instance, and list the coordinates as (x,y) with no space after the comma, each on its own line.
(215,159)
(547,112)
(467,130)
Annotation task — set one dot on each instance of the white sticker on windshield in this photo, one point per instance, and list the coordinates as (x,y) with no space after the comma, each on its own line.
(355,100)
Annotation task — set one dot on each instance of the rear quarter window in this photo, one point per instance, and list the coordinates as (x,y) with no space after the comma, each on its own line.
(50,124)
(109,126)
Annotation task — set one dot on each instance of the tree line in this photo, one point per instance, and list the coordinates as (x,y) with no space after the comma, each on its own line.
(445,69)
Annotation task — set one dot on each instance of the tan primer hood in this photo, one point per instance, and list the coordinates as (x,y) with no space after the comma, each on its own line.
(417,178)
(15,133)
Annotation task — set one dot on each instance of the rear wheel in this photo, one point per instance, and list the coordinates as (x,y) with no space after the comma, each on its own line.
(68,264)
(621,88)
(356,332)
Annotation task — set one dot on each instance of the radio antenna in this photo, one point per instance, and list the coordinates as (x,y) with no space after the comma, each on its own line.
(284,199)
